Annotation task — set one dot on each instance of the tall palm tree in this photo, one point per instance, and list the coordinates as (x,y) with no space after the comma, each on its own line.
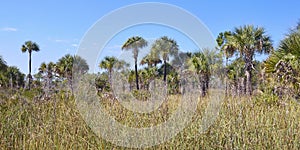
(29,47)
(134,44)
(165,47)
(248,40)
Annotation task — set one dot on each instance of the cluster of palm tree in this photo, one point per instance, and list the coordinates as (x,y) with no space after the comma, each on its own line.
(50,74)
(166,51)
(53,72)
(242,44)
(280,73)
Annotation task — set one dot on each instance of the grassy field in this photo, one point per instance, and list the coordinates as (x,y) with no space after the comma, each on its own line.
(262,122)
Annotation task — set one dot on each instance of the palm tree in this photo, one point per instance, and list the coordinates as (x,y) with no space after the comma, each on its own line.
(108,64)
(199,64)
(151,60)
(16,76)
(248,40)
(235,76)
(135,43)
(67,64)
(48,71)
(3,68)
(29,47)
(64,66)
(3,65)
(165,47)
(225,45)
(284,63)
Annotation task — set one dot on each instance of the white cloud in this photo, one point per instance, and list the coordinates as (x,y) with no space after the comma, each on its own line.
(10,29)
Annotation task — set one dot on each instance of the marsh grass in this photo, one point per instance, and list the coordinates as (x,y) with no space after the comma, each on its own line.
(243,123)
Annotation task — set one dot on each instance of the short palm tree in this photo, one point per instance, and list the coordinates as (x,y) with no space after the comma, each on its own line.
(3,68)
(64,66)
(3,65)
(48,71)
(151,60)
(165,47)
(284,63)
(225,45)
(199,64)
(29,47)
(108,64)
(69,66)
(134,44)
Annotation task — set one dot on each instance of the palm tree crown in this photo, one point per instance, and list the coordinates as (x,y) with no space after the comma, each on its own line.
(165,47)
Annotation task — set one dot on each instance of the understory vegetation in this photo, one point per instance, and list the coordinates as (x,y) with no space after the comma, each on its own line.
(262,122)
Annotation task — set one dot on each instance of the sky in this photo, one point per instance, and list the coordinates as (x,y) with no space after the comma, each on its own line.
(59,26)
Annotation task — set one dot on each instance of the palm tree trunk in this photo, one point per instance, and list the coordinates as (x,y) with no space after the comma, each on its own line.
(248,82)
(226,78)
(202,85)
(165,71)
(29,75)
(29,63)
(248,69)
(109,77)
(136,75)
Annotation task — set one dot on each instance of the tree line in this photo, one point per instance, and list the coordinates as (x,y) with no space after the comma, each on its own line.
(232,63)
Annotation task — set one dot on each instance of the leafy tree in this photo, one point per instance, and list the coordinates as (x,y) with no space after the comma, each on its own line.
(165,47)
(29,47)
(134,44)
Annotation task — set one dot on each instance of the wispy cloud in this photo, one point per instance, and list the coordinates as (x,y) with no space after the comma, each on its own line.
(61,41)
(74,45)
(9,29)
(114,47)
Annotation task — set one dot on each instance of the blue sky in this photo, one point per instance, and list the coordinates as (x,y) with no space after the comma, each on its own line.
(58,26)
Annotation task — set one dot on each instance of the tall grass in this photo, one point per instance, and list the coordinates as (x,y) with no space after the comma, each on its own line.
(243,123)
